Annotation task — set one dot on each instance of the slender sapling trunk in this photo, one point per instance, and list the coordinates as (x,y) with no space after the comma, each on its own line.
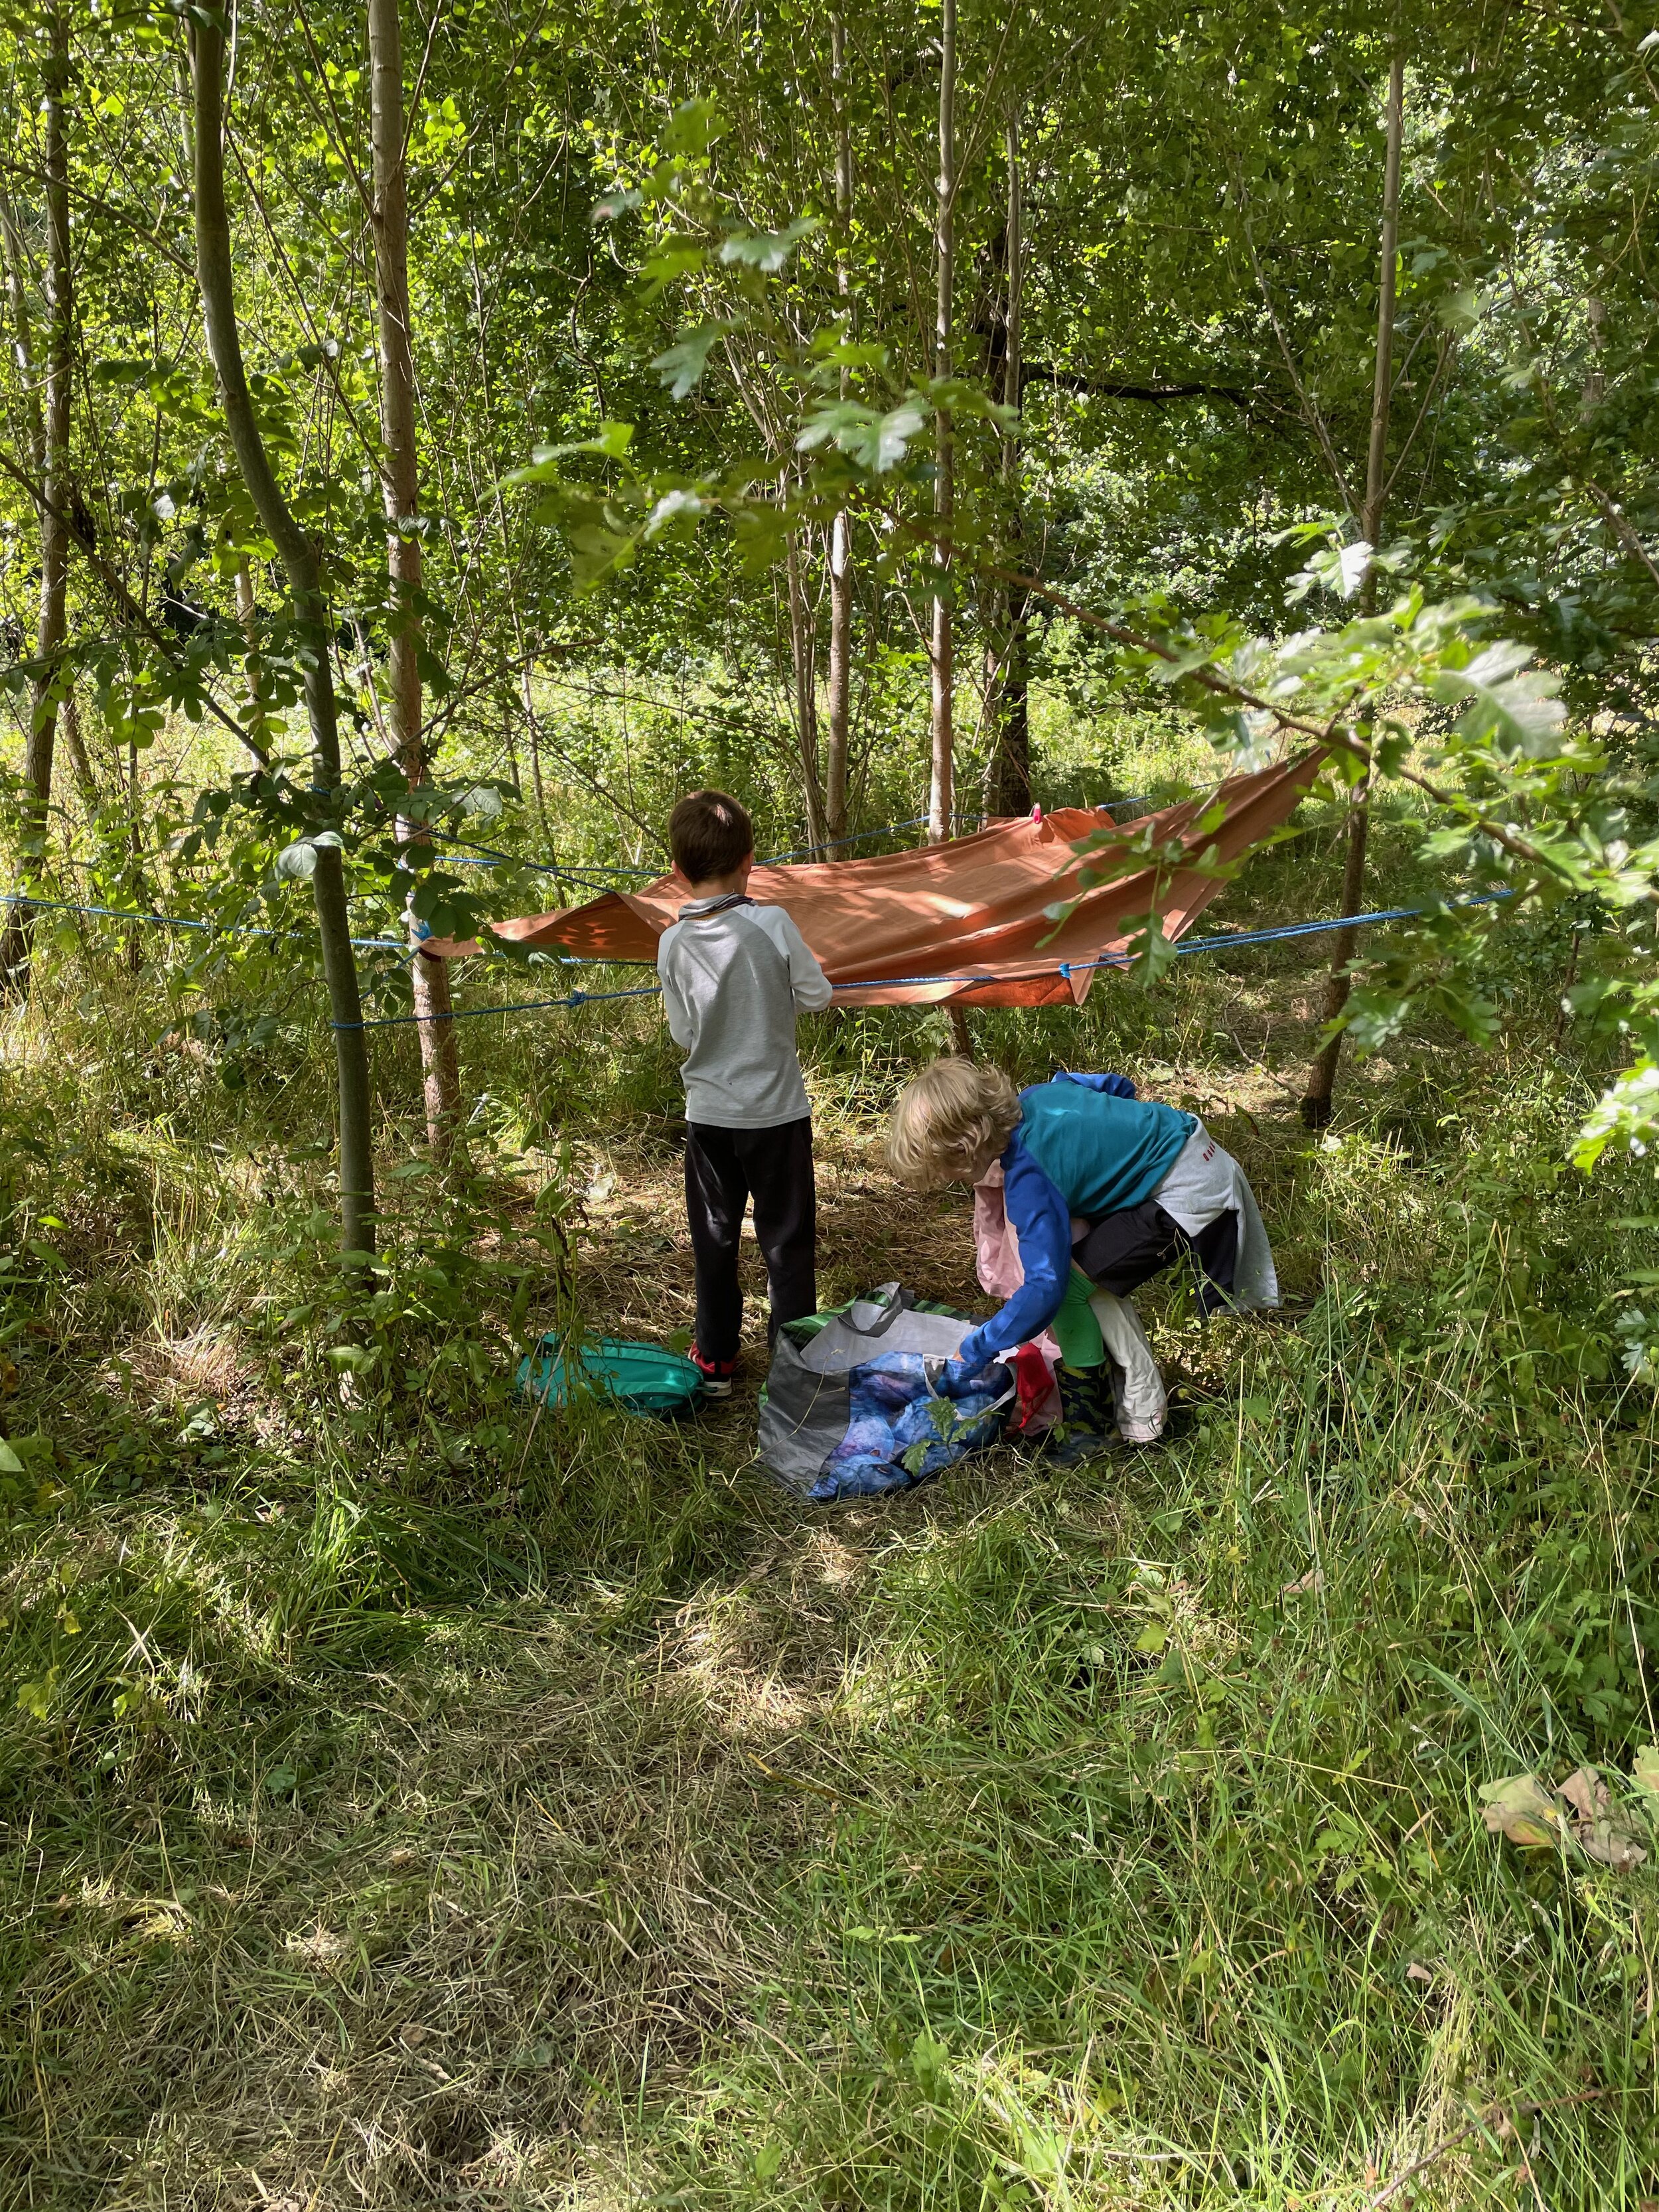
(1009,788)
(941,794)
(803,661)
(303,570)
(941,797)
(53,463)
(400,482)
(841,527)
(1322,1077)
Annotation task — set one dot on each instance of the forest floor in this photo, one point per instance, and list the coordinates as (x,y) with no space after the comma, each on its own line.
(495,1812)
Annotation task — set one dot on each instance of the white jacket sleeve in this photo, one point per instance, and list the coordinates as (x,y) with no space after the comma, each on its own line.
(812,989)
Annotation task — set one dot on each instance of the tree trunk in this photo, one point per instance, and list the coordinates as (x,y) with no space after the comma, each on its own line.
(941,797)
(303,570)
(941,793)
(804,663)
(80,760)
(1009,786)
(400,481)
(53,462)
(23,337)
(1322,1077)
(840,528)
(527,694)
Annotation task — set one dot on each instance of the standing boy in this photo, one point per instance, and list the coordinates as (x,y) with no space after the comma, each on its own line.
(734,976)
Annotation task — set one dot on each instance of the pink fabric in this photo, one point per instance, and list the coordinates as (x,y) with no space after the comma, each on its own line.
(996,1259)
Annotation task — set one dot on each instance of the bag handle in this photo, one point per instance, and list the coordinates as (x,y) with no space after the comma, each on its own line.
(892,1299)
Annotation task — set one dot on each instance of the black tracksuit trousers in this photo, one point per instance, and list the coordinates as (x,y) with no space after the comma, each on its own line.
(1126,1249)
(724,1170)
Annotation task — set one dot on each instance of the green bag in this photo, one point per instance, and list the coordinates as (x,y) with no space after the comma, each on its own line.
(643,1378)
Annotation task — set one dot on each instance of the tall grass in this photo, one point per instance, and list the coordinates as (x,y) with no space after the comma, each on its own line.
(409,1799)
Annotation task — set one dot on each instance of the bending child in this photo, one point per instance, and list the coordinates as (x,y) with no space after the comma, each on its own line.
(1097,1184)
(734,975)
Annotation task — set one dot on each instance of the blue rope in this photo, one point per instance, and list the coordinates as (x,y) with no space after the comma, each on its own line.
(179,921)
(1243,940)
(1065,969)
(518,1007)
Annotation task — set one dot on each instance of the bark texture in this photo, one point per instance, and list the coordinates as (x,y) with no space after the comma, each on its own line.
(941,797)
(303,571)
(1322,1076)
(441,1071)
(840,528)
(1009,785)
(50,427)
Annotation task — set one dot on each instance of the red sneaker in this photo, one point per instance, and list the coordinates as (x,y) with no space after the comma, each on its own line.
(716,1374)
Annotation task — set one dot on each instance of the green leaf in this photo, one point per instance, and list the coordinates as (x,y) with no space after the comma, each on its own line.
(1461,311)
(35,1698)
(694,127)
(1520,1807)
(1507,700)
(680,505)
(873,441)
(681,367)
(1153,952)
(678,258)
(612,440)
(767,250)
(297,863)
(1627,1116)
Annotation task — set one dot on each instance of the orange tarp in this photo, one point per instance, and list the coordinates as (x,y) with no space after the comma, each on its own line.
(963,921)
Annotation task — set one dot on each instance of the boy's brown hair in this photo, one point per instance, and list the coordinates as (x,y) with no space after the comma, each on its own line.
(710,833)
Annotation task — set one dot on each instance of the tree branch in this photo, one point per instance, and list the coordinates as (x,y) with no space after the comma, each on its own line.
(1095,387)
(122,598)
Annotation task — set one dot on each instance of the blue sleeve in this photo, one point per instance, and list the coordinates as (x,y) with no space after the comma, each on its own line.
(1115,1086)
(1037,1213)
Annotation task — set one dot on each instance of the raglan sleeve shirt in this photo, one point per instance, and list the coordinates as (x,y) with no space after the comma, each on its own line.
(678,1013)
(812,989)
(1038,1217)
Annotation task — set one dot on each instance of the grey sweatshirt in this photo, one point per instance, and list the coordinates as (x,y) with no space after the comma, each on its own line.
(734,975)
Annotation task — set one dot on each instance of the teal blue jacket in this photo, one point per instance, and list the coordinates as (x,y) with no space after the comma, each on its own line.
(1084,1145)
(1102,1154)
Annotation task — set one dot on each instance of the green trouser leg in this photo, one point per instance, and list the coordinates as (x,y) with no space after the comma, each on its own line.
(1076,1330)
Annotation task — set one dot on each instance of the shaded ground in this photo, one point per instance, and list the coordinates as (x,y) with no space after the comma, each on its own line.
(400,1819)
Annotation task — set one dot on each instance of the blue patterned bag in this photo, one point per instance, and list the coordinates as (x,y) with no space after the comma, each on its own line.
(850,1409)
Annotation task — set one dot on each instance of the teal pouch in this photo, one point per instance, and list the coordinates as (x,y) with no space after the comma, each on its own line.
(642,1378)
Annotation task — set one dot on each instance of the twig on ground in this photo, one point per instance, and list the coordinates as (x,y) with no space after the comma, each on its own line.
(1483,2119)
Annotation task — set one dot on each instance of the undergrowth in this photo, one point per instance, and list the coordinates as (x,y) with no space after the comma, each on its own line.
(412,1799)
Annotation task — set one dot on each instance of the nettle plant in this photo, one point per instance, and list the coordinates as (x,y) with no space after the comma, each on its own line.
(1522,806)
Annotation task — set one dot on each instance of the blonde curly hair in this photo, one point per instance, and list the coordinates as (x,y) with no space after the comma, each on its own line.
(949,1122)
